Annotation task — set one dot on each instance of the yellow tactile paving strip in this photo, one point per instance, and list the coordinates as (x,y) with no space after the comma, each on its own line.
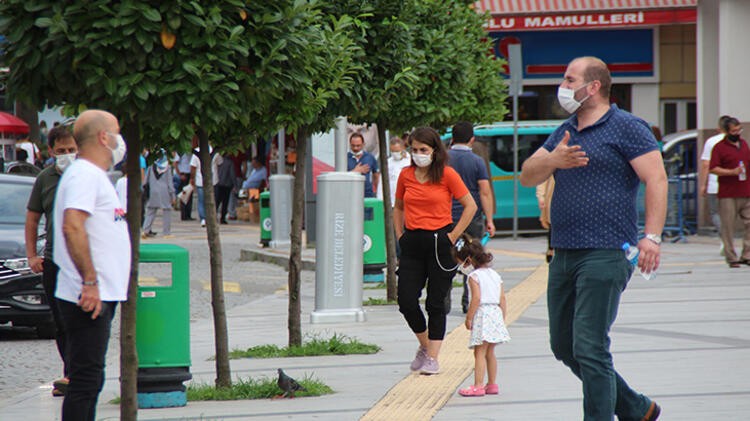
(420,397)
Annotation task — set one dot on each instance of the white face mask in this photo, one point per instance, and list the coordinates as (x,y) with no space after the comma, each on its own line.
(398,155)
(467,269)
(63,161)
(422,160)
(118,153)
(567,99)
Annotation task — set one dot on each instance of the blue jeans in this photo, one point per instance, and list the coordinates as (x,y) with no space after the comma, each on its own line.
(87,342)
(583,296)
(201,204)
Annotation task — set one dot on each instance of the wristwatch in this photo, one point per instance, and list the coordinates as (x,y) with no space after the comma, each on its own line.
(655,238)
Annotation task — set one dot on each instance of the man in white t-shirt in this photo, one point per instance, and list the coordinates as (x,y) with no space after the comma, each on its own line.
(398,160)
(196,180)
(709,183)
(92,249)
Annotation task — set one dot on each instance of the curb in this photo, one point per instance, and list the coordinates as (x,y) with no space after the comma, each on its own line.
(279,258)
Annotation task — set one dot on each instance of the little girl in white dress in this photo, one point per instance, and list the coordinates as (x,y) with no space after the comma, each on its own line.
(486,315)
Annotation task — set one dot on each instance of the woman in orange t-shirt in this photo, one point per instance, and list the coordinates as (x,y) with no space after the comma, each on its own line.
(423,225)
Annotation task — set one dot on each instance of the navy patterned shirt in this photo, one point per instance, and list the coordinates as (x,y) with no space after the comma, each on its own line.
(595,206)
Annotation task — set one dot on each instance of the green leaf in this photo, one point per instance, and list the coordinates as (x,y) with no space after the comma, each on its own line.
(152,14)
(44,22)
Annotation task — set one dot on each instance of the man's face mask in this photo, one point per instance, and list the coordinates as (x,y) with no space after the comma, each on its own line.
(567,98)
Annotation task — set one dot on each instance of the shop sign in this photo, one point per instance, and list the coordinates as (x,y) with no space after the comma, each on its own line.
(591,20)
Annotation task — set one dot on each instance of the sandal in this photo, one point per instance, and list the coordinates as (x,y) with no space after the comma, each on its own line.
(491,389)
(472,391)
(734,264)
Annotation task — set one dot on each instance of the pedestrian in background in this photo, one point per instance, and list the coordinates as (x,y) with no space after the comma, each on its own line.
(473,172)
(63,149)
(730,159)
(224,183)
(544,193)
(92,249)
(598,156)
(161,195)
(486,316)
(426,233)
(709,183)
(363,162)
(399,159)
(183,166)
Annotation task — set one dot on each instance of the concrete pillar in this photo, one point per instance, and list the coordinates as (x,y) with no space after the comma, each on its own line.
(707,58)
(734,62)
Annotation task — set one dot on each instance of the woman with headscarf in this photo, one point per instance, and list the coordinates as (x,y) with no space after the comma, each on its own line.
(161,195)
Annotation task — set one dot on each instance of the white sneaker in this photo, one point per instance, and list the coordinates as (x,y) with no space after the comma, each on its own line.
(203,222)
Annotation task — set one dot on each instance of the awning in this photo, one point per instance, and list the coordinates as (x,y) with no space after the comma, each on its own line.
(522,7)
(12,124)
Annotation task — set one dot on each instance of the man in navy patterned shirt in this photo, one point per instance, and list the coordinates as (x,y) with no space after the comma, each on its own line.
(598,157)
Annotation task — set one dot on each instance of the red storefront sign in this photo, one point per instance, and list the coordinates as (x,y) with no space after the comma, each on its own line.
(591,20)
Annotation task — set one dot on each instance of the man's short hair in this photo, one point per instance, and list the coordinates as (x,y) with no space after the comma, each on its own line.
(729,123)
(359,135)
(58,133)
(462,132)
(395,140)
(596,69)
(723,119)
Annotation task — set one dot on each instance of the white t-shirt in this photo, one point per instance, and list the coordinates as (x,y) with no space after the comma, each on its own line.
(86,187)
(394,169)
(31,151)
(713,179)
(121,187)
(490,285)
(196,162)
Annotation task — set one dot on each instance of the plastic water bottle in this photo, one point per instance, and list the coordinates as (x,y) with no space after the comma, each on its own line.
(631,254)
(743,172)
(485,238)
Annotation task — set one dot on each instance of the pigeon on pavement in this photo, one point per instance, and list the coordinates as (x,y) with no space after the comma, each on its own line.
(288,385)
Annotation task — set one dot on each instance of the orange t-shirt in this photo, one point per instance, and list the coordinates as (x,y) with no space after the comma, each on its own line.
(427,206)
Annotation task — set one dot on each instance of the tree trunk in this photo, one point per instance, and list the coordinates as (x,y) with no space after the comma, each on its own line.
(390,241)
(223,374)
(295,253)
(128,353)
(29,114)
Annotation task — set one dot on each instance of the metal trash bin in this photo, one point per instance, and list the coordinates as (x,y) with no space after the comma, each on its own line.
(163,326)
(373,241)
(265,218)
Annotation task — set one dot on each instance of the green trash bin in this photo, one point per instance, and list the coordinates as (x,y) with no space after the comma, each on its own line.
(373,243)
(163,325)
(265,218)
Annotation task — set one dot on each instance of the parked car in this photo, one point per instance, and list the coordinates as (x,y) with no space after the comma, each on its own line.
(22,298)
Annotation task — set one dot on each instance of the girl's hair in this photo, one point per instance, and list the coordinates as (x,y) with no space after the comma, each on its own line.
(468,246)
(431,138)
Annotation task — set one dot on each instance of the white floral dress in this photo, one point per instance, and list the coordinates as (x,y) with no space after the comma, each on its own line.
(488,325)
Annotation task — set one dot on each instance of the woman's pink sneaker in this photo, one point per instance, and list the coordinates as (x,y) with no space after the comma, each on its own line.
(472,391)
(491,389)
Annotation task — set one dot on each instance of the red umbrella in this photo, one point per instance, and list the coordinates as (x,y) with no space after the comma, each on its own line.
(12,124)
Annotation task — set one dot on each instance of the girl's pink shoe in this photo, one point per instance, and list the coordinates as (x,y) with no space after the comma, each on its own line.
(472,391)
(491,389)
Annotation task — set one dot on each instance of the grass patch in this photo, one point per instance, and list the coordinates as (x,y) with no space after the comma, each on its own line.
(260,388)
(377,301)
(379,285)
(336,345)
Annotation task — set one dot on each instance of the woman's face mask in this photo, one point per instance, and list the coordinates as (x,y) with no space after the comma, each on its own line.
(422,160)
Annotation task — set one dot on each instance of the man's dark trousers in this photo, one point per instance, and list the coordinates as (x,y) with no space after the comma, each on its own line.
(49,281)
(87,342)
(583,296)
